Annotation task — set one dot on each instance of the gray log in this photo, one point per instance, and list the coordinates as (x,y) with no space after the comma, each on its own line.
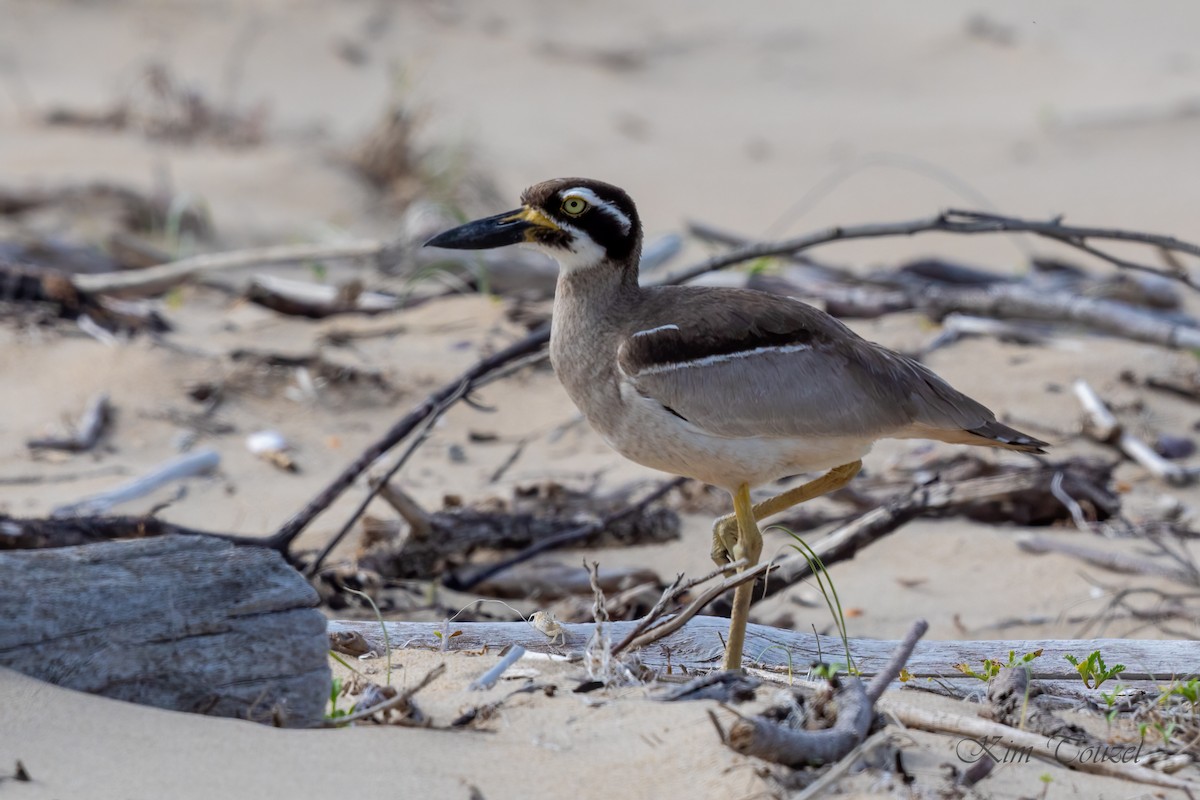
(188,623)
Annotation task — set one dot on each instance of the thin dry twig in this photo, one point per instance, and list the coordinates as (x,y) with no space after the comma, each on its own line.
(400,699)
(670,595)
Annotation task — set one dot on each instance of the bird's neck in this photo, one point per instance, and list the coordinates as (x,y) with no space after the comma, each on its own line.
(590,306)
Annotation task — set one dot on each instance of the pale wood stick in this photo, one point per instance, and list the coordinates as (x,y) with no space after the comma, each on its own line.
(154,280)
(1055,751)
(1104,428)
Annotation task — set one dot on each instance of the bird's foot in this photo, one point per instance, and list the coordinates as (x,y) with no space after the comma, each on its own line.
(724,540)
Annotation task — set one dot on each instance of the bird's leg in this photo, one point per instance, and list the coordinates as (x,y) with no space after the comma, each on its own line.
(725,528)
(748,546)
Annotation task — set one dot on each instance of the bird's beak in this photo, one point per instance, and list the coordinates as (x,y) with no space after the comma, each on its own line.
(511,227)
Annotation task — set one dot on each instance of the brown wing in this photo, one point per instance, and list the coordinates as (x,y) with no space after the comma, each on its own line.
(744,364)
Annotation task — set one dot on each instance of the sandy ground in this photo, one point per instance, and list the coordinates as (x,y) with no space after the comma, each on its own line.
(794,117)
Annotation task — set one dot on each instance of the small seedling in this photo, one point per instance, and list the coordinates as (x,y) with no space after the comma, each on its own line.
(905,676)
(1188,690)
(335,691)
(991,667)
(826,672)
(1046,778)
(1110,702)
(1093,670)
(817,567)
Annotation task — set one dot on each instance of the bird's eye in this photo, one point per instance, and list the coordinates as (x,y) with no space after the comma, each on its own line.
(574,206)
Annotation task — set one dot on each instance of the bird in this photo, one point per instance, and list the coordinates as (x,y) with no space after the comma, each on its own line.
(733,387)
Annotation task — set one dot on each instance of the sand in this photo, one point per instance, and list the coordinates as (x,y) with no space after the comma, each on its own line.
(701,111)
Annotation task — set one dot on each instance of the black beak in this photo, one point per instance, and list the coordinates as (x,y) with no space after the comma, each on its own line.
(484,234)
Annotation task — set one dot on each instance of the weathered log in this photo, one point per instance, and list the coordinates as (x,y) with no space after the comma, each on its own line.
(699,645)
(184,623)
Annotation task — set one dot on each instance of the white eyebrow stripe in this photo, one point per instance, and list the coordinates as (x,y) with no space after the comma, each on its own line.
(605,206)
(671,327)
(708,361)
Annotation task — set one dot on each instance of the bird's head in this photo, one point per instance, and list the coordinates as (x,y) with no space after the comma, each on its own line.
(581,223)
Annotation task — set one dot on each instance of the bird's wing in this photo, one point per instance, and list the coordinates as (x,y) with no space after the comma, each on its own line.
(748,364)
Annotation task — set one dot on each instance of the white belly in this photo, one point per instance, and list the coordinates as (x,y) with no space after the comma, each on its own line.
(648,434)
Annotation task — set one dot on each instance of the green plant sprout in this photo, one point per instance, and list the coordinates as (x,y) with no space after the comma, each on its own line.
(991,667)
(1093,670)
(828,592)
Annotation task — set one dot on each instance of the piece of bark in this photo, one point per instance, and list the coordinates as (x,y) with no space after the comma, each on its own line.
(185,623)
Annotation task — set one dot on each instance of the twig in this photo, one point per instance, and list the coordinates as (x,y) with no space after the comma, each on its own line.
(1116,562)
(66,477)
(488,679)
(154,280)
(561,540)
(696,606)
(87,432)
(958,222)
(839,770)
(400,699)
(197,463)
(1104,428)
(464,383)
(891,671)
(425,429)
(670,595)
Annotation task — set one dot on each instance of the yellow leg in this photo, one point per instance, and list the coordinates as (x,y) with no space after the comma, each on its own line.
(749,547)
(725,529)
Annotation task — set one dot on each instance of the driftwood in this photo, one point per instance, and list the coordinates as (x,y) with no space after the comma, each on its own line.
(784,742)
(192,464)
(1115,562)
(699,646)
(185,623)
(1103,427)
(86,434)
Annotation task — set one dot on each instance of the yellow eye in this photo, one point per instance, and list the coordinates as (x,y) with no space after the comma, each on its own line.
(574,206)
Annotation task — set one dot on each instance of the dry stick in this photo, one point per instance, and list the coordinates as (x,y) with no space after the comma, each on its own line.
(971,222)
(399,699)
(1055,751)
(422,434)
(87,432)
(670,595)
(153,280)
(1115,562)
(563,539)
(1103,427)
(197,463)
(962,222)
(855,711)
(693,608)
(398,432)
